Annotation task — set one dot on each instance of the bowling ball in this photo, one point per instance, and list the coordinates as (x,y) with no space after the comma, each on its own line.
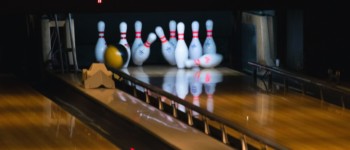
(115,56)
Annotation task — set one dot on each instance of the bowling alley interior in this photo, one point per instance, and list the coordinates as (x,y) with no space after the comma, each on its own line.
(139,75)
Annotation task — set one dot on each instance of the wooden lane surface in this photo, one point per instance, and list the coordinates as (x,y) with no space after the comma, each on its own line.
(294,120)
(170,130)
(28,120)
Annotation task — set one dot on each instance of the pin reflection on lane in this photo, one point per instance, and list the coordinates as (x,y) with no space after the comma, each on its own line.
(181,86)
(139,74)
(195,86)
(192,80)
(210,77)
(181,82)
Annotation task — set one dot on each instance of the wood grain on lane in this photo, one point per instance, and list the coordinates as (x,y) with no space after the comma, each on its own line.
(28,120)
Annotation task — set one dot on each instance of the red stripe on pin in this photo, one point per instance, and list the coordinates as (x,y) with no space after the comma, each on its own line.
(209,33)
(147,44)
(181,36)
(207,78)
(163,39)
(197,62)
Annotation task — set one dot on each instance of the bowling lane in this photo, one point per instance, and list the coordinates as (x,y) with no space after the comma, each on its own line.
(28,120)
(291,119)
(161,125)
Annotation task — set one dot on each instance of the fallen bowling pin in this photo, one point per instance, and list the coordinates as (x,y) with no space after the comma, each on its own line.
(168,50)
(205,61)
(142,53)
(172,29)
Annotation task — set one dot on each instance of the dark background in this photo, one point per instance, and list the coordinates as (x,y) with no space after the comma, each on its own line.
(322,40)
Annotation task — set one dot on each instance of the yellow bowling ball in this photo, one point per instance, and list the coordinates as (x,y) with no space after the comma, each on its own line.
(115,56)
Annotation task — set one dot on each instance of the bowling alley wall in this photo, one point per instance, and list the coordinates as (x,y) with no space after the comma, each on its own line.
(309,41)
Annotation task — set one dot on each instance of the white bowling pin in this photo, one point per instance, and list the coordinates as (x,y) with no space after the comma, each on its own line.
(168,50)
(209,46)
(181,50)
(205,61)
(195,49)
(123,41)
(172,29)
(138,40)
(101,42)
(141,54)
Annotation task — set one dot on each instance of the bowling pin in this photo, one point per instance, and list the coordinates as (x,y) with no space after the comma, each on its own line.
(181,50)
(168,50)
(172,29)
(209,46)
(101,42)
(123,28)
(138,40)
(195,49)
(141,54)
(205,61)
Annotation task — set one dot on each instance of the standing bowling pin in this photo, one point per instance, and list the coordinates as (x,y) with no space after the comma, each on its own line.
(123,28)
(101,42)
(209,46)
(205,61)
(138,40)
(168,49)
(172,29)
(181,51)
(195,49)
(141,54)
